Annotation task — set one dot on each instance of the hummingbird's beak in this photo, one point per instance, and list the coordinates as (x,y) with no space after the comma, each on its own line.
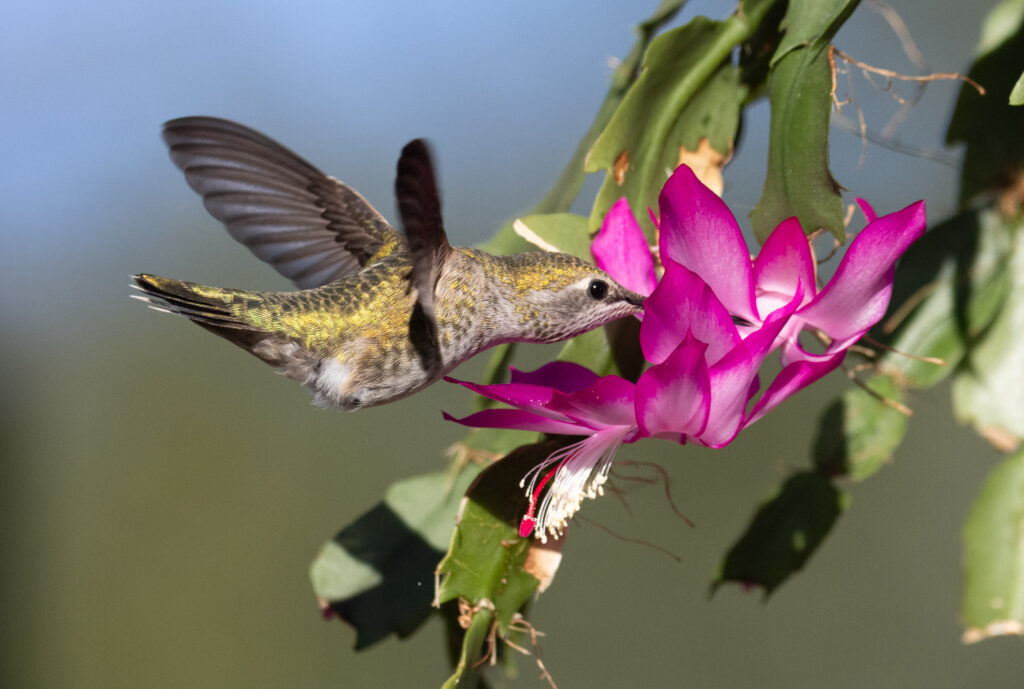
(636,300)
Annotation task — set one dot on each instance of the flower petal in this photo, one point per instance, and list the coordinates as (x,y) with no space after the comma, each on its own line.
(791,379)
(858,294)
(560,375)
(608,402)
(620,249)
(699,232)
(793,351)
(674,396)
(683,304)
(734,379)
(516,394)
(520,420)
(867,210)
(784,265)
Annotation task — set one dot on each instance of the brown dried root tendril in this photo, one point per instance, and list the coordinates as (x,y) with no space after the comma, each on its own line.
(518,624)
(889,74)
(926,359)
(851,373)
(662,476)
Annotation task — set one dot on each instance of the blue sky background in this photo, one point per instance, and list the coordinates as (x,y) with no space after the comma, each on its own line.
(165,493)
(503,91)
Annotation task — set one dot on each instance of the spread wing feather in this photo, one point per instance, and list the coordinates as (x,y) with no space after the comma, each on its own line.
(311,228)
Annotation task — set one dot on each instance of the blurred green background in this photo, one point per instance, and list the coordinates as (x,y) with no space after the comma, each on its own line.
(163,494)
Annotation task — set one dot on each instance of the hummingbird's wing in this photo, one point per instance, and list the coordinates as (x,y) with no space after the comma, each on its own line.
(419,206)
(310,227)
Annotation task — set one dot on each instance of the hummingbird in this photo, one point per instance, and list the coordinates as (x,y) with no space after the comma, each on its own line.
(378,314)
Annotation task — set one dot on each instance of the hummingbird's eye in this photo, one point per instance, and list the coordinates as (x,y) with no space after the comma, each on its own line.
(597,289)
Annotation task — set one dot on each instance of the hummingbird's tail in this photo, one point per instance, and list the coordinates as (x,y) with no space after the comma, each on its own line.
(208,307)
(230,314)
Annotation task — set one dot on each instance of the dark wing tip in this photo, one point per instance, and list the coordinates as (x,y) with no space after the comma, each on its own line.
(419,202)
(208,122)
(415,181)
(172,130)
(416,149)
(419,206)
(193,121)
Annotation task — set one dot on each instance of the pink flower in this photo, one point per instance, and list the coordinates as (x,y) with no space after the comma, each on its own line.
(708,325)
(698,233)
(569,399)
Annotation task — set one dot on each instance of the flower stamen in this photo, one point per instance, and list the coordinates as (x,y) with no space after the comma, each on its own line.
(528,522)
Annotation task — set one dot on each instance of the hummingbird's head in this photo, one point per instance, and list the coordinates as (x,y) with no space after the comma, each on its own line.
(556,296)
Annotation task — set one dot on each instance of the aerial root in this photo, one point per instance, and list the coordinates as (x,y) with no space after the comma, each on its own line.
(663,478)
(891,403)
(518,624)
(891,74)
